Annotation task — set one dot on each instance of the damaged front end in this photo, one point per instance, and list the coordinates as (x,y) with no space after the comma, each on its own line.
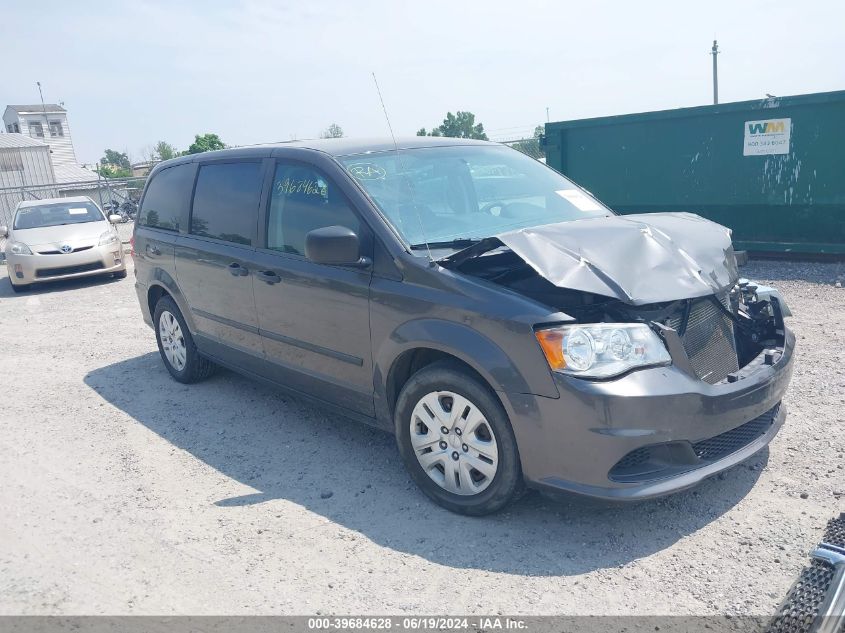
(716,338)
(674,273)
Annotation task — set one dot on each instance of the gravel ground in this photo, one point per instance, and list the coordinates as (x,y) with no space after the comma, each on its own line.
(126,493)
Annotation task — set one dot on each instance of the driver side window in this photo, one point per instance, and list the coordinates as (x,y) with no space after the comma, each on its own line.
(302,199)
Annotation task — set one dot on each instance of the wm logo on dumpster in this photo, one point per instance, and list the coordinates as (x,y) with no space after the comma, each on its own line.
(769,136)
(766,127)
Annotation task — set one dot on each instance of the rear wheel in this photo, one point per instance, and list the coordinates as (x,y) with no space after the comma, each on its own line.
(176,345)
(456,440)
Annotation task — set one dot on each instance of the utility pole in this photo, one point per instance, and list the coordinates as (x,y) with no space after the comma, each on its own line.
(715,51)
(43,109)
(547,114)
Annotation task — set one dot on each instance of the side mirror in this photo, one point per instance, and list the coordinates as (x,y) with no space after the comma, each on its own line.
(336,246)
(114,218)
(4,231)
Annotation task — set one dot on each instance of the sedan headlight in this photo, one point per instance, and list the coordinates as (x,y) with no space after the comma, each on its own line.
(109,237)
(18,248)
(602,350)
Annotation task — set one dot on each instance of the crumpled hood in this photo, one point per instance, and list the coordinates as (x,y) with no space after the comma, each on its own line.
(638,259)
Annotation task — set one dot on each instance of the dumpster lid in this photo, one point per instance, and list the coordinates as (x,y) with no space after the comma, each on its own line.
(638,259)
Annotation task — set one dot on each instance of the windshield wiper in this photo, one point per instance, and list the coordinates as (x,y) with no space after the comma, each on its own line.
(462,242)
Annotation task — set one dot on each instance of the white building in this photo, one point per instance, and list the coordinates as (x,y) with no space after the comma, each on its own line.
(24,162)
(48,124)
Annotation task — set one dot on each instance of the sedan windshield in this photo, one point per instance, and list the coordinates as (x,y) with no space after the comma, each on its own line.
(452,196)
(57,213)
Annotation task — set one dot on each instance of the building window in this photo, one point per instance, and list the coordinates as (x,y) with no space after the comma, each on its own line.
(17,129)
(9,128)
(56,128)
(36,129)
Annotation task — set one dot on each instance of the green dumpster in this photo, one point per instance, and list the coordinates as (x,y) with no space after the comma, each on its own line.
(771,170)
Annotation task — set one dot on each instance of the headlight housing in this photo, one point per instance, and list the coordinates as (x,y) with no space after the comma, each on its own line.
(109,237)
(602,350)
(18,248)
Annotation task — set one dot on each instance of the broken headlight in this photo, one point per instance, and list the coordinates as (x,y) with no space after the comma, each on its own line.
(602,350)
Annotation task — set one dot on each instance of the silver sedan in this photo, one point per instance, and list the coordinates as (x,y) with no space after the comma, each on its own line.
(61,238)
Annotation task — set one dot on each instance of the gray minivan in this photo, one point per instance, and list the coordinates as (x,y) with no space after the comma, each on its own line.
(506,326)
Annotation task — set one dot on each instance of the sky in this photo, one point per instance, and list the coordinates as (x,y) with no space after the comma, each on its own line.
(133,73)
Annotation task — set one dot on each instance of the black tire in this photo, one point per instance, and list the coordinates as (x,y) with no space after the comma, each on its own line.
(507,484)
(121,274)
(197,367)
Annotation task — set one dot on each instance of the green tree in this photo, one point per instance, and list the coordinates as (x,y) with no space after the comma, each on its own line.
(110,171)
(118,160)
(164,150)
(114,164)
(531,146)
(206,143)
(333,131)
(460,125)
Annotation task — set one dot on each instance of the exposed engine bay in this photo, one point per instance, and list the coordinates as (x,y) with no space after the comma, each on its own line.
(721,322)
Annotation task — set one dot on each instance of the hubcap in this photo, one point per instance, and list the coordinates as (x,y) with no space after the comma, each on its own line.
(172,341)
(454,443)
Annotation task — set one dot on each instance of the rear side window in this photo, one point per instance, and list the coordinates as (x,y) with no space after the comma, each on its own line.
(226,202)
(304,199)
(166,199)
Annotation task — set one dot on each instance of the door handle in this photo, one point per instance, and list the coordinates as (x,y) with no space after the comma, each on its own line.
(268,276)
(152,250)
(237,270)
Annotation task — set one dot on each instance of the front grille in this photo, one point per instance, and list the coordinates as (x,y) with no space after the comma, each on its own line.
(655,460)
(633,459)
(708,339)
(67,270)
(811,604)
(835,532)
(802,603)
(731,441)
(75,250)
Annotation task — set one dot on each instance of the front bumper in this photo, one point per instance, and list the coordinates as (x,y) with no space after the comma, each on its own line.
(37,268)
(576,443)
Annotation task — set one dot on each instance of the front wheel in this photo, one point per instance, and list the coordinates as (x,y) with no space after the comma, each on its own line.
(176,345)
(456,441)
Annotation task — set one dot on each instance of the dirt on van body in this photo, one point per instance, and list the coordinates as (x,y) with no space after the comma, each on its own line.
(125,492)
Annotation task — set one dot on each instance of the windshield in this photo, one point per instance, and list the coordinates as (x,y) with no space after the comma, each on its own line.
(466,192)
(57,213)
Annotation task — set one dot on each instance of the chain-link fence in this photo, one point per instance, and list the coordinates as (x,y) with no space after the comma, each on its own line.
(106,193)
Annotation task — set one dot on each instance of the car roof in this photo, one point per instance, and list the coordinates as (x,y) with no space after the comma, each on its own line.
(37,203)
(347,146)
(333,146)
